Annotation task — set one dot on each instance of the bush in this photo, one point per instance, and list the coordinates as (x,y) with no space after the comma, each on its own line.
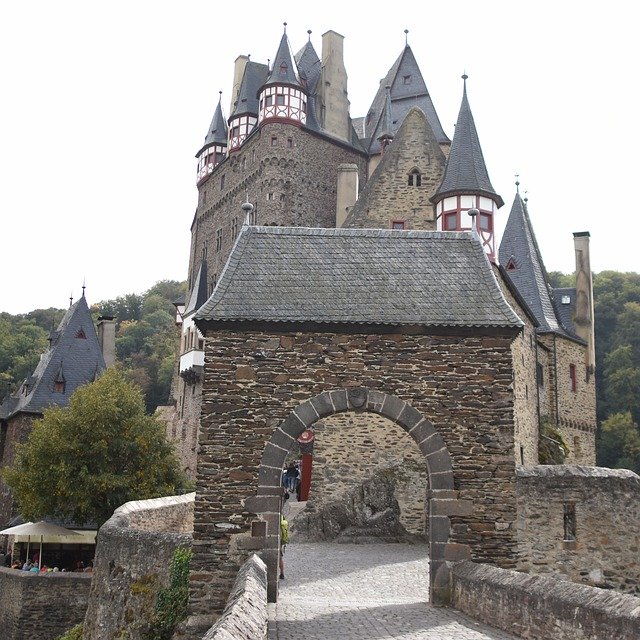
(171,605)
(75,633)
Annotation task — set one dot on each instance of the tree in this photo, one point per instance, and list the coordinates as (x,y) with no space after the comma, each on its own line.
(82,462)
(619,446)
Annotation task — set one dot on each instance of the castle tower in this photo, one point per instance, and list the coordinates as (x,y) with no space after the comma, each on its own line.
(466,183)
(283,97)
(214,149)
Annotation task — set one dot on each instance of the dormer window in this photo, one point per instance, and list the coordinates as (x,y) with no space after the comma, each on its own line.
(283,69)
(566,299)
(406,79)
(81,334)
(397,224)
(511,265)
(58,386)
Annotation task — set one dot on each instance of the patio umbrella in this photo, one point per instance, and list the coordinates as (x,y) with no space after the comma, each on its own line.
(41,529)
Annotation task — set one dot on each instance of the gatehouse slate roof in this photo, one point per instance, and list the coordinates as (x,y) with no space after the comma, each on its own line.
(358,276)
(73,357)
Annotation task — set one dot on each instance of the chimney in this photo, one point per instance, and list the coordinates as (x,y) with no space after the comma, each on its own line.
(347,191)
(334,110)
(583,319)
(107,339)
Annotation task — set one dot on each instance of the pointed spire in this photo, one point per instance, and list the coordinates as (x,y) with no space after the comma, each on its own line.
(199,293)
(466,171)
(386,134)
(284,69)
(406,37)
(217,133)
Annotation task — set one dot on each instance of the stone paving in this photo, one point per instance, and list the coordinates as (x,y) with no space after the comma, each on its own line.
(364,592)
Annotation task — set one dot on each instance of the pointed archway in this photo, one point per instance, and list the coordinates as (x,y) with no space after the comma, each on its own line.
(442,498)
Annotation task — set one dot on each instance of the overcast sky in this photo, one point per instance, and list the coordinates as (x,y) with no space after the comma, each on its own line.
(104,105)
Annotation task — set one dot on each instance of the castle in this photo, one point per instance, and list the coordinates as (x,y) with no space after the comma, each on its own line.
(291,148)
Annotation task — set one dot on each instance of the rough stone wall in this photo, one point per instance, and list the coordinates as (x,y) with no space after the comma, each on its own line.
(182,428)
(525,409)
(245,615)
(18,429)
(41,606)
(607,524)
(350,448)
(576,410)
(388,195)
(461,384)
(542,606)
(133,555)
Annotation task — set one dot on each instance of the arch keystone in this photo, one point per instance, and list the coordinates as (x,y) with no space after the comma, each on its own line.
(357,397)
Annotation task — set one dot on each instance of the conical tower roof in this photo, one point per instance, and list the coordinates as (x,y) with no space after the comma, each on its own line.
(309,66)
(254,76)
(218,130)
(466,171)
(73,357)
(199,293)
(520,256)
(284,69)
(407,90)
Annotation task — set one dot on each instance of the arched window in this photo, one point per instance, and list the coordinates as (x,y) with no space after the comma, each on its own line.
(415,178)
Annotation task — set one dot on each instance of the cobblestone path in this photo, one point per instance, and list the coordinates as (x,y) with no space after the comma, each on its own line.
(364,592)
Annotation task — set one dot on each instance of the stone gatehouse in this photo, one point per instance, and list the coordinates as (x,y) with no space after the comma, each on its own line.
(431,355)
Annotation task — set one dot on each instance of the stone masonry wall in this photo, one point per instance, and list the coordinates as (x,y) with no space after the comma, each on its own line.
(18,429)
(41,606)
(576,410)
(525,356)
(603,550)
(461,384)
(350,448)
(133,554)
(542,606)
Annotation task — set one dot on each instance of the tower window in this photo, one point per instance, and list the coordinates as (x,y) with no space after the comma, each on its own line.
(290,143)
(406,79)
(485,222)
(234,228)
(268,101)
(222,182)
(415,178)
(540,374)
(283,69)
(270,196)
(569,518)
(58,386)
(397,224)
(573,377)
(274,141)
(280,99)
(450,222)
(218,239)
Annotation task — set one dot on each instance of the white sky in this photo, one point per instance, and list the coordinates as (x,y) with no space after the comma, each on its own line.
(104,105)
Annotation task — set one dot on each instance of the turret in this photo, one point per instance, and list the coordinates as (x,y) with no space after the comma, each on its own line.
(283,97)
(214,149)
(244,115)
(466,184)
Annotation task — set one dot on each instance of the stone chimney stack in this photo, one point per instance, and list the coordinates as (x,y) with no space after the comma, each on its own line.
(347,191)
(238,72)
(584,319)
(107,339)
(334,101)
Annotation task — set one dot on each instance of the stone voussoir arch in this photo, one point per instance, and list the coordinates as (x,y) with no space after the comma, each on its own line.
(443,499)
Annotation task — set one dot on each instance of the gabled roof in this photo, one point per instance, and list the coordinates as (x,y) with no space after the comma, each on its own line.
(218,131)
(73,358)
(254,76)
(564,300)
(284,69)
(358,276)
(520,248)
(408,89)
(198,294)
(466,171)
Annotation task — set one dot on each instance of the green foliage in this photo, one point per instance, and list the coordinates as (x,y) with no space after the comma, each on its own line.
(558,280)
(619,445)
(84,461)
(146,338)
(21,343)
(171,605)
(552,449)
(75,633)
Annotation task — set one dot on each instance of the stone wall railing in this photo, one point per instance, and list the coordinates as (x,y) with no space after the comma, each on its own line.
(245,615)
(543,606)
(133,557)
(41,606)
(582,522)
